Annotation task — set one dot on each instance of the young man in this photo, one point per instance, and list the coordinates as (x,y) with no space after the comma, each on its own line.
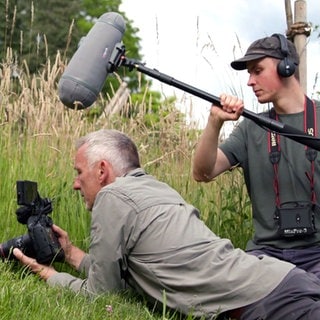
(143,234)
(281,175)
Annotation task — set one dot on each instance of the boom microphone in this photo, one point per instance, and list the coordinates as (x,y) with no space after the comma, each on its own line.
(86,72)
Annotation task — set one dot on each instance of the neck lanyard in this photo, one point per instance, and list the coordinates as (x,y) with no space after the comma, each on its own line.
(311,154)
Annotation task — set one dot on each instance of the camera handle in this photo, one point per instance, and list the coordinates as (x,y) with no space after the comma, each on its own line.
(118,59)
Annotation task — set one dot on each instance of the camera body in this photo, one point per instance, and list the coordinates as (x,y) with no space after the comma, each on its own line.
(40,242)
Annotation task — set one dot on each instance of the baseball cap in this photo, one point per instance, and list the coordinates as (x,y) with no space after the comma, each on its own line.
(267,47)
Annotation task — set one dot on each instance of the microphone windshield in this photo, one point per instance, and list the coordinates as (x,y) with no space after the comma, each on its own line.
(87,70)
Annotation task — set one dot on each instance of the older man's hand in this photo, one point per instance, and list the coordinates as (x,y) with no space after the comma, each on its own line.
(45,272)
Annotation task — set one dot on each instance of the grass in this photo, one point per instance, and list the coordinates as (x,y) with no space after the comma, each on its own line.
(23,296)
(36,142)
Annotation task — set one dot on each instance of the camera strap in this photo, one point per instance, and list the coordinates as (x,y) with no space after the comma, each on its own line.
(310,127)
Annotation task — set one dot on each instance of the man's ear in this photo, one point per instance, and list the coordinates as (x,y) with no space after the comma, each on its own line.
(104,168)
(106,174)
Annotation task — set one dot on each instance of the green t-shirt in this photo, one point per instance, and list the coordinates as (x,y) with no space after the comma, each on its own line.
(247,146)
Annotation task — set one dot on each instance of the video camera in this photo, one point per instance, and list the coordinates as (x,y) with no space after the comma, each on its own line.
(40,242)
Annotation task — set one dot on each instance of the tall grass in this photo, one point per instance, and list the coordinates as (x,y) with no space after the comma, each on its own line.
(36,143)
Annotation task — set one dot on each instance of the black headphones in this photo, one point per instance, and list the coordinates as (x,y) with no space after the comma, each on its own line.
(286,66)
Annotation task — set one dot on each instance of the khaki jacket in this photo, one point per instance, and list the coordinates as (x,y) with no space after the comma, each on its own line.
(145,234)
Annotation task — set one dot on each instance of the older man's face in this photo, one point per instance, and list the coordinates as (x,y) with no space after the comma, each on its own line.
(88,180)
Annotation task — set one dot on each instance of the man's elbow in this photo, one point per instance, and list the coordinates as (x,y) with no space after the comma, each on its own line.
(201,176)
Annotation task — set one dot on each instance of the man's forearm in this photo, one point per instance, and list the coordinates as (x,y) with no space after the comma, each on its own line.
(205,156)
(75,256)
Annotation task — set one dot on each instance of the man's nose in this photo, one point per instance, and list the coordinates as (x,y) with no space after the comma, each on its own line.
(76,184)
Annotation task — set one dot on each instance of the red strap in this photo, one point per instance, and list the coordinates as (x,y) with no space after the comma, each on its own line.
(310,127)
(274,155)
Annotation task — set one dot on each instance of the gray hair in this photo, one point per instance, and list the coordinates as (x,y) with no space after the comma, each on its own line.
(113,146)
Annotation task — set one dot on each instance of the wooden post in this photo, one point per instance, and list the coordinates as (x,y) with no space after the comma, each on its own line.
(300,41)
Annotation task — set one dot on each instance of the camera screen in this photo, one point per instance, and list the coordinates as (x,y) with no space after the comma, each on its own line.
(27,192)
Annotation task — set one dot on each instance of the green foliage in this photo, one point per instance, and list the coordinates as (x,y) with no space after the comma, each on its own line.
(91,9)
(232,218)
(153,109)
(35,31)
(23,296)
